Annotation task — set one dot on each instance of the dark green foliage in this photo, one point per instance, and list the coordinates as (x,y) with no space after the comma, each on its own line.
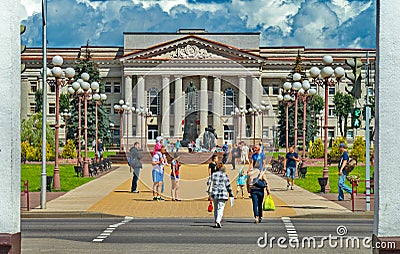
(344,104)
(38,100)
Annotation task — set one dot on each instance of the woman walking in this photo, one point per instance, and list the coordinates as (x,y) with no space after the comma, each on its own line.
(158,162)
(256,192)
(220,190)
(212,167)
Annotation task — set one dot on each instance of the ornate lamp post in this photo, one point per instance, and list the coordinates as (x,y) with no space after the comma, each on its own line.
(146,113)
(286,99)
(325,78)
(263,108)
(235,118)
(65,115)
(253,112)
(304,94)
(76,90)
(61,78)
(120,111)
(99,100)
(127,111)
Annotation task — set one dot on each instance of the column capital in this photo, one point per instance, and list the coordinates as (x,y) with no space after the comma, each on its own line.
(165,76)
(204,77)
(177,76)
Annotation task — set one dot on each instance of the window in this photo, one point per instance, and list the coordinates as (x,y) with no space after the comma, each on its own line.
(229,101)
(153,101)
(370,91)
(152,132)
(107,87)
(248,132)
(265,89)
(331,133)
(265,132)
(275,89)
(52,89)
(107,108)
(332,90)
(350,134)
(331,110)
(172,106)
(32,107)
(228,132)
(117,87)
(52,108)
(33,86)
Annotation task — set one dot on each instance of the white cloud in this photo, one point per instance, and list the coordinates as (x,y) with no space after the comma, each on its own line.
(310,23)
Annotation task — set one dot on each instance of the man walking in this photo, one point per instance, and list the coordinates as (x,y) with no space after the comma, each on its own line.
(344,159)
(290,164)
(136,164)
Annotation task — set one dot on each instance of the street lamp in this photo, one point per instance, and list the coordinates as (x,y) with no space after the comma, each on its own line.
(127,111)
(120,111)
(99,99)
(286,99)
(61,78)
(326,77)
(304,94)
(76,90)
(146,113)
(235,118)
(65,115)
(263,108)
(253,112)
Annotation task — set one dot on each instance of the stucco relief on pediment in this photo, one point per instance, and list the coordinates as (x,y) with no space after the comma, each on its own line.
(188,51)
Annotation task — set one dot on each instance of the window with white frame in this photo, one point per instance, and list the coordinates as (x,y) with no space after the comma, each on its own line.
(153,100)
(332,90)
(107,87)
(34,86)
(117,87)
(275,89)
(229,101)
(265,132)
(52,108)
(331,110)
(350,134)
(331,133)
(228,132)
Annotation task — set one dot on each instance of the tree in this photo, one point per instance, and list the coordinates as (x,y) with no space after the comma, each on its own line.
(344,104)
(315,105)
(38,100)
(90,67)
(335,152)
(64,102)
(317,149)
(358,150)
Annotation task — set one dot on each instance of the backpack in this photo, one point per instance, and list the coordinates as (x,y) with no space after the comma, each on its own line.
(350,165)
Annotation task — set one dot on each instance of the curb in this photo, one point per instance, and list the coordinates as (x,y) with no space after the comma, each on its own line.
(57,215)
(344,216)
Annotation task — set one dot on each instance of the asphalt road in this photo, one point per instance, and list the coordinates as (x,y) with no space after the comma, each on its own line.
(129,235)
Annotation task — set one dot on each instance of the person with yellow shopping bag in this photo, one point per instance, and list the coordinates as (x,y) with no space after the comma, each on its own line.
(256,185)
(269,204)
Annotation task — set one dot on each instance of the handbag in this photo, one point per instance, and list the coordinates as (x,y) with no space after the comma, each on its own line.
(269,204)
(210,206)
(260,183)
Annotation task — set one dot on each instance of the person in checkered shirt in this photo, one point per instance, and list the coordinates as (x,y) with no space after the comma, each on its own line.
(219,190)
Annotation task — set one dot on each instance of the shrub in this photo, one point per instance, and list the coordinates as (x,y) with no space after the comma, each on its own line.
(335,152)
(358,151)
(27,151)
(69,151)
(317,149)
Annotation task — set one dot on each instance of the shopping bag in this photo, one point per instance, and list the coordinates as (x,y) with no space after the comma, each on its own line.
(269,204)
(210,206)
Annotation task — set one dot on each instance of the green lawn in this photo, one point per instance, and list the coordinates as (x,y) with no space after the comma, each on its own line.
(91,154)
(310,183)
(68,179)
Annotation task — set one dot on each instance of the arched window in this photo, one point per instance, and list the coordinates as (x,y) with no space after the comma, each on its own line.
(229,101)
(153,100)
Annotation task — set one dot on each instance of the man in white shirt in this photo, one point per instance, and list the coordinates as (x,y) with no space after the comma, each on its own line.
(245,154)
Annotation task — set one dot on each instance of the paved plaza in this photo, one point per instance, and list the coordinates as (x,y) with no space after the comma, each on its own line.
(110,195)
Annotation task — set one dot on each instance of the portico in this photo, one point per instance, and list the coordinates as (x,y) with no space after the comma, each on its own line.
(195,77)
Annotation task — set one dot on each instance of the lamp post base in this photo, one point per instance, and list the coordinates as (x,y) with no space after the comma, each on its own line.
(326,175)
(85,168)
(56,179)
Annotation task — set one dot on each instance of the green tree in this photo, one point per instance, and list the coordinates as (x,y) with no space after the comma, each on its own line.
(64,102)
(69,151)
(344,104)
(315,105)
(38,100)
(87,65)
(358,149)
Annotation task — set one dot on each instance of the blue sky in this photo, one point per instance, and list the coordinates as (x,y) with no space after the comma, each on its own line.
(309,23)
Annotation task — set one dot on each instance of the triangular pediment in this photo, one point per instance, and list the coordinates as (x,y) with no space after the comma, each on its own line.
(192,48)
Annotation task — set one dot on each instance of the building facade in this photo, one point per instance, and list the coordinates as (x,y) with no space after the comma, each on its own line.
(192,80)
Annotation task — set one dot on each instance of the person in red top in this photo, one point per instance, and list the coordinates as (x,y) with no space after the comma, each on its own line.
(175,165)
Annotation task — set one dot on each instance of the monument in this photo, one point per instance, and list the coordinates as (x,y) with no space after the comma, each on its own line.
(190,127)
(209,138)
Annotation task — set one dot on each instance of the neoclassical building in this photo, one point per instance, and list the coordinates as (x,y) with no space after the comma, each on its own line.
(191,80)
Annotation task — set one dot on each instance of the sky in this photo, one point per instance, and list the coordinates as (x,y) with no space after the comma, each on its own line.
(308,23)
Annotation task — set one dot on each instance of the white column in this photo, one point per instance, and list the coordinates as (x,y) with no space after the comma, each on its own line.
(242,102)
(178,108)
(217,107)
(128,99)
(10,143)
(141,100)
(203,105)
(165,106)
(256,100)
(387,202)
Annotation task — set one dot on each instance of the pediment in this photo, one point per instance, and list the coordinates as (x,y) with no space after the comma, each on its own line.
(192,48)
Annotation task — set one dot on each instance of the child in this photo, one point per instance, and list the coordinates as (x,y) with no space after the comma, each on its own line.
(175,165)
(240,182)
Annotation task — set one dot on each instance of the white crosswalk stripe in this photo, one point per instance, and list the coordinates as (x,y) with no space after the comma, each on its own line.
(108,231)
